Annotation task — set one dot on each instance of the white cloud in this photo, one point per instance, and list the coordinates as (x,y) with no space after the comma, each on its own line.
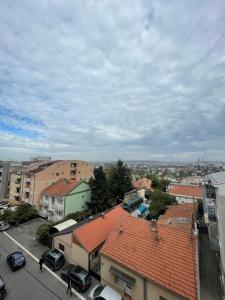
(105,79)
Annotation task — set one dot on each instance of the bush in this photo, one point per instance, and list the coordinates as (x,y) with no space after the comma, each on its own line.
(160,202)
(42,234)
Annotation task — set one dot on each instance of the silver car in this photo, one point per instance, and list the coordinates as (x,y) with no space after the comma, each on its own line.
(4,225)
(100,292)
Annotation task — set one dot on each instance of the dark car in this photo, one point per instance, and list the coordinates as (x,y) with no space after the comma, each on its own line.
(80,278)
(2,289)
(16,260)
(54,259)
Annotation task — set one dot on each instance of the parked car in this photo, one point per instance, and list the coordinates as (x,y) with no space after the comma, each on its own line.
(100,292)
(2,289)
(80,278)
(16,260)
(4,225)
(54,259)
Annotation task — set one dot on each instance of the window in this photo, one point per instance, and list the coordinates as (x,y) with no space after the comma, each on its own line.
(57,174)
(94,255)
(122,282)
(61,247)
(53,200)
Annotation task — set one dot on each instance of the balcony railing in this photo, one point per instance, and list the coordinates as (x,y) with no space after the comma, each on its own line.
(28,179)
(44,202)
(43,214)
(58,207)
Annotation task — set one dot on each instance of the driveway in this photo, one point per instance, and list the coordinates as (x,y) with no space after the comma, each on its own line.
(25,235)
(209,279)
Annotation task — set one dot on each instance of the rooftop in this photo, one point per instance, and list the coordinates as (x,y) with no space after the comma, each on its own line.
(142,183)
(168,260)
(217,178)
(186,190)
(61,187)
(93,234)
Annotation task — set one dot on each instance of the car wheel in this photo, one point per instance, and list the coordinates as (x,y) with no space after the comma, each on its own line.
(77,288)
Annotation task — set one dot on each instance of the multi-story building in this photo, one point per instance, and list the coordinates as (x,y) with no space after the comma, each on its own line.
(15,185)
(4,176)
(64,197)
(38,176)
(214,212)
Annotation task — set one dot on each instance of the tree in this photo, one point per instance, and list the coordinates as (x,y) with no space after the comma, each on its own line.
(99,191)
(159,202)
(42,234)
(120,181)
(158,183)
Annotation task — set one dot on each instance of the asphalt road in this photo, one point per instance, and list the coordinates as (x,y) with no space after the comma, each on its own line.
(28,283)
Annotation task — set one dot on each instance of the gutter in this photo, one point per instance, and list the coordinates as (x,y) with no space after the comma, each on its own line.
(145,288)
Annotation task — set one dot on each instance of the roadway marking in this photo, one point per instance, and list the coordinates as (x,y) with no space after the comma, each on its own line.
(37,260)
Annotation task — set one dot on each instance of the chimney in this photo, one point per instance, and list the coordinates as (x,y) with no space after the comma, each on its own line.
(154,229)
(103,215)
(121,229)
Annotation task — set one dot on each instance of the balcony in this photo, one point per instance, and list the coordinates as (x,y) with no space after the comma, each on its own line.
(17,184)
(28,179)
(44,202)
(27,190)
(58,207)
(16,194)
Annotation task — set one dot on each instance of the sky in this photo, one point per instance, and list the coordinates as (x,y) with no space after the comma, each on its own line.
(102,80)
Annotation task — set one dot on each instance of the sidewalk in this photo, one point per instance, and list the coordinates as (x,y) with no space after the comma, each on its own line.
(209,278)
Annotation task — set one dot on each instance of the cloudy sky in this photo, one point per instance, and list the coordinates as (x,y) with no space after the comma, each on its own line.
(101,79)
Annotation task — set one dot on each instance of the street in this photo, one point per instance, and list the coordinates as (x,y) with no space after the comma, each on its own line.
(28,283)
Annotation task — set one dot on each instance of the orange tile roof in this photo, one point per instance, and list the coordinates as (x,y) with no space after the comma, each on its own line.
(61,187)
(142,183)
(94,233)
(186,190)
(169,261)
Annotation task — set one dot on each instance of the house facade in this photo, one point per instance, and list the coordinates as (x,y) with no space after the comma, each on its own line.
(83,244)
(64,197)
(186,193)
(153,261)
(38,176)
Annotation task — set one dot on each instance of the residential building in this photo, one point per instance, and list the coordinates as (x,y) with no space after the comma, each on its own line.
(142,183)
(37,176)
(4,176)
(82,243)
(15,176)
(64,197)
(186,193)
(153,261)
(214,212)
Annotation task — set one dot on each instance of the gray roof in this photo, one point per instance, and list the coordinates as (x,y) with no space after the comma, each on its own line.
(217,178)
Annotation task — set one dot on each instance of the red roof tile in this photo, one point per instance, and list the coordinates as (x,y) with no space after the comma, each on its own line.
(142,183)
(94,233)
(60,187)
(186,190)
(169,261)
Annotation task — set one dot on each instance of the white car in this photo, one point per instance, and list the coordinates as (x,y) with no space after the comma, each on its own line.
(100,292)
(4,226)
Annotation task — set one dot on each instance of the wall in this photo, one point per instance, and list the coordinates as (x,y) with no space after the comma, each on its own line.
(67,242)
(76,199)
(137,293)
(13,194)
(60,169)
(4,173)
(80,256)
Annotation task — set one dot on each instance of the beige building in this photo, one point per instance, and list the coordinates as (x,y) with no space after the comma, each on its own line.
(82,244)
(149,261)
(15,186)
(38,176)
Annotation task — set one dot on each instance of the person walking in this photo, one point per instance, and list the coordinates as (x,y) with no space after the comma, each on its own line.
(69,287)
(41,261)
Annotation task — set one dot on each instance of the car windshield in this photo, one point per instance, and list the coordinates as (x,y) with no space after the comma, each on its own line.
(19,259)
(98,291)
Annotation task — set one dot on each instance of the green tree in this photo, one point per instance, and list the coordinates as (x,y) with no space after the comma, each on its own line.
(120,180)
(42,234)
(99,191)
(159,202)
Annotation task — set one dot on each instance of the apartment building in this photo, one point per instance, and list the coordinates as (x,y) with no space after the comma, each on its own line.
(214,213)
(15,176)
(38,176)
(153,261)
(4,177)
(64,197)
